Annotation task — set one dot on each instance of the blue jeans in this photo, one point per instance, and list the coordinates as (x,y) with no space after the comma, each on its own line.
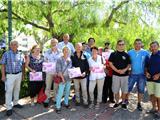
(140,79)
(63,88)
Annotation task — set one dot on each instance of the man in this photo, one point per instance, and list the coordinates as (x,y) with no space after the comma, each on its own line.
(12,74)
(80,60)
(107,88)
(66,42)
(84,48)
(153,75)
(91,42)
(119,61)
(138,58)
(51,55)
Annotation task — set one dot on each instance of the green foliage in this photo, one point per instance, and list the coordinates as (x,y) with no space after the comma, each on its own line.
(83,19)
(25,86)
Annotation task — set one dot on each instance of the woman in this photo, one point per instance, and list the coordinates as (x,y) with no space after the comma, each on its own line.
(63,64)
(107,88)
(34,64)
(97,76)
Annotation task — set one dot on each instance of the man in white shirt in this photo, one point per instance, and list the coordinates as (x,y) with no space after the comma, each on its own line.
(66,42)
(51,55)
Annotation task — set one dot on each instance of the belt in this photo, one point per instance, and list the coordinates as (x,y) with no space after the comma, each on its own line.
(13,73)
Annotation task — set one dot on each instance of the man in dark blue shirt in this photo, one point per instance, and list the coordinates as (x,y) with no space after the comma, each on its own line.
(153,75)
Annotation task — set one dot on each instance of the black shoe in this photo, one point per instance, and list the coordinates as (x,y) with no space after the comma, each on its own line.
(111,101)
(116,106)
(157,115)
(139,107)
(18,106)
(124,106)
(45,105)
(58,111)
(9,112)
(68,106)
(85,105)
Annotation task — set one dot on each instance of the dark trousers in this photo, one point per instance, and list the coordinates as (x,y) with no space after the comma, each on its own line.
(107,90)
(35,87)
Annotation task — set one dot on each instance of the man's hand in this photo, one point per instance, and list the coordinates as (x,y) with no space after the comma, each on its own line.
(156,76)
(23,77)
(3,78)
(121,71)
(83,74)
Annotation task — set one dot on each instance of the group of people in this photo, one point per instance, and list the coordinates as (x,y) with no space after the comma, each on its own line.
(103,74)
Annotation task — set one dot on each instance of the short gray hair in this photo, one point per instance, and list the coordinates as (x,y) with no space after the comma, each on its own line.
(14,41)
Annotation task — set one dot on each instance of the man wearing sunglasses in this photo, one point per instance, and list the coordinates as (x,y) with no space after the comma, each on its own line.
(119,61)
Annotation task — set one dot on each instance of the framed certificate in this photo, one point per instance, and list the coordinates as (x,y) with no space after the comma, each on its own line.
(74,72)
(35,76)
(49,67)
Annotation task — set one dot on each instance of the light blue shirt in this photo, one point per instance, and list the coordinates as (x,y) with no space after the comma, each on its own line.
(89,51)
(87,54)
(138,60)
(61,45)
(50,56)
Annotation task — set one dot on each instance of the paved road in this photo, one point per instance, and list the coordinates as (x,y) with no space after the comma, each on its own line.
(106,112)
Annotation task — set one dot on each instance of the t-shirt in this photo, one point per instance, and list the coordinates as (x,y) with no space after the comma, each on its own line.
(138,60)
(153,66)
(120,60)
(96,65)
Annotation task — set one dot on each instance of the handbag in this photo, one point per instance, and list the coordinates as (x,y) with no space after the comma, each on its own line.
(57,79)
(41,96)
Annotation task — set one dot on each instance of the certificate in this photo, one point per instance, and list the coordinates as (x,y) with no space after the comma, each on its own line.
(49,67)
(74,72)
(106,55)
(35,76)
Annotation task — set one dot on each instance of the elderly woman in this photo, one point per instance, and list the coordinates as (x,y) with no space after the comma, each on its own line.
(63,64)
(97,76)
(34,64)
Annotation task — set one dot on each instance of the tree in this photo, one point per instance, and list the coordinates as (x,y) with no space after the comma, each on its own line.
(82,19)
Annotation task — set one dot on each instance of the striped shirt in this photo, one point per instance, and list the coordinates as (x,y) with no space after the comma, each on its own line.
(13,61)
(63,66)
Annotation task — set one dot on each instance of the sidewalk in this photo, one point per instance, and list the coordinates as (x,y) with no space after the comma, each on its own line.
(105,112)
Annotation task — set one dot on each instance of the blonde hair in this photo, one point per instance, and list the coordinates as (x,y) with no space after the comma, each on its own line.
(33,47)
(65,47)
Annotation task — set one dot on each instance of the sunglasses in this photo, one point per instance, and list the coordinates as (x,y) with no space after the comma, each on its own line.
(120,44)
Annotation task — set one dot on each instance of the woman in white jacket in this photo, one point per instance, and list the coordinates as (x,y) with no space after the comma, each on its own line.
(97,76)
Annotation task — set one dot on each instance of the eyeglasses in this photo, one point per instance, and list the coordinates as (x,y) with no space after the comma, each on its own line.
(120,44)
